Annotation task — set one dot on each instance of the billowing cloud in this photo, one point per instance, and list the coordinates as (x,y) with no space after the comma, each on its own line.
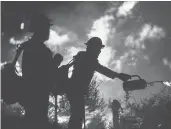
(118,64)
(125,8)
(102,28)
(56,39)
(106,55)
(156,33)
(148,32)
(113,7)
(129,58)
(151,32)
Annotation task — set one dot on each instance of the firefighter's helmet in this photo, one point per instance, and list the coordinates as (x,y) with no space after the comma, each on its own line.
(95,42)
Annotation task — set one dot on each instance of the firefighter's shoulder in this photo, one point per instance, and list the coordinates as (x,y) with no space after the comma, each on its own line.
(79,54)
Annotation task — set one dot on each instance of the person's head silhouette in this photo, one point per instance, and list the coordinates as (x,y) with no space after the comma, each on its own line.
(94,46)
(58,58)
(40,26)
(116,105)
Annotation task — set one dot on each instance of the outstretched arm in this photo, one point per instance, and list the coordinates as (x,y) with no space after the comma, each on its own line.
(111,74)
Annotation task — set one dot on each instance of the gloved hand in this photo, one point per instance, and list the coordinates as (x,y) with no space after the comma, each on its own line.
(124,77)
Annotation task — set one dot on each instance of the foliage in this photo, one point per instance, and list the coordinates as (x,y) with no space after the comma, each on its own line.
(97,123)
(161,98)
(93,102)
(152,111)
(93,99)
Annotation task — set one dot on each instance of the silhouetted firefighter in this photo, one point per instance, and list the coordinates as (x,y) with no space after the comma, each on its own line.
(85,64)
(37,64)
